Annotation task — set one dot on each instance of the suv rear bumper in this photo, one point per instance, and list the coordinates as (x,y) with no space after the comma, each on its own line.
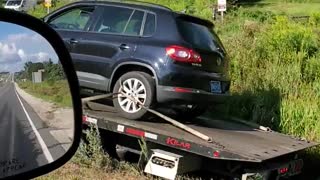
(168,94)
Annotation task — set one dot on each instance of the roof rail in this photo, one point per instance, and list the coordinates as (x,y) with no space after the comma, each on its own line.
(135,2)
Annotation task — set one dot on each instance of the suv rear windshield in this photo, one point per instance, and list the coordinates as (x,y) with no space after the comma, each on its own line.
(199,36)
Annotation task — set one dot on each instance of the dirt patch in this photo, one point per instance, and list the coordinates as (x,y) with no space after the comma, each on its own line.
(52,115)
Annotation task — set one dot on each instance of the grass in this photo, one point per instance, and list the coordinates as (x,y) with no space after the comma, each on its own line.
(281,8)
(275,72)
(57,92)
(76,172)
(91,162)
(273,68)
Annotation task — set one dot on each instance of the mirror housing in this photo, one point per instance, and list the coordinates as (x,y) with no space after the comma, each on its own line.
(38,26)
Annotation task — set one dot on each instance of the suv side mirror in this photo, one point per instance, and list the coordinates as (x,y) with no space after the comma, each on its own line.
(40,107)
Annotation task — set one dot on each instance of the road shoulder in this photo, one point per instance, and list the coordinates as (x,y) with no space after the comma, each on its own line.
(60,120)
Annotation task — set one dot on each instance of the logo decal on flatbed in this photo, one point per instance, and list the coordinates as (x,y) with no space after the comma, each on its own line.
(177,143)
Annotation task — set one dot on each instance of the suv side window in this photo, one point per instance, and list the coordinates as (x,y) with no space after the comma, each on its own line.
(134,25)
(150,25)
(113,20)
(75,19)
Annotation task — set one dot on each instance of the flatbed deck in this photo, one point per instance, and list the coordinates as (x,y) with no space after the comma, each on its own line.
(231,141)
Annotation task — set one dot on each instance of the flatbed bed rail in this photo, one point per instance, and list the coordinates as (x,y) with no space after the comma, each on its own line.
(230,140)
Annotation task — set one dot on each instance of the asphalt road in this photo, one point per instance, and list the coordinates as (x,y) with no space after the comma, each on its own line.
(25,141)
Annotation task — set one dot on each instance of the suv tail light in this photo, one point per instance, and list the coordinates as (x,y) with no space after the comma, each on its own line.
(183,54)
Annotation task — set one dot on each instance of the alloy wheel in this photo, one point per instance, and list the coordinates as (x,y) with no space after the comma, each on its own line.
(136,90)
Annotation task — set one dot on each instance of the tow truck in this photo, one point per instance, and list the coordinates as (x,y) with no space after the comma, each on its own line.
(167,148)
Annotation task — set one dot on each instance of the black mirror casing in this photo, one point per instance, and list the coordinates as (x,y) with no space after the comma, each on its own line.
(37,25)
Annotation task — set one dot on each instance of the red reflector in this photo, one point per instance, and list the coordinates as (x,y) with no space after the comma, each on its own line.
(134,132)
(283,170)
(216,154)
(182,90)
(84,119)
(182,54)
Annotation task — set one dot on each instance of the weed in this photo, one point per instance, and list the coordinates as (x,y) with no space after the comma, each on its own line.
(91,153)
(144,149)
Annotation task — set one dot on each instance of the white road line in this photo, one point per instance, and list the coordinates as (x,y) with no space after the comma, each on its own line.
(43,145)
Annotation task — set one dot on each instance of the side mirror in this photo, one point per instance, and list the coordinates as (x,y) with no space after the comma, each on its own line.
(40,107)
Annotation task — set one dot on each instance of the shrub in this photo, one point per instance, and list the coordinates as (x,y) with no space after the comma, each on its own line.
(311,71)
(288,39)
(91,153)
(57,92)
(251,28)
(275,77)
(257,15)
(314,19)
(298,1)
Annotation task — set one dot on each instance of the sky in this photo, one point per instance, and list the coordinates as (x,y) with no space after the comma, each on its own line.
(19,45)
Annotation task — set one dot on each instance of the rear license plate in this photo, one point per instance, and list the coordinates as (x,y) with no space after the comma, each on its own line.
(215,86)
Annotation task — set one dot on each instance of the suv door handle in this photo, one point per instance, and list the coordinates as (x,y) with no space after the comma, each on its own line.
(73,41)
(124,46)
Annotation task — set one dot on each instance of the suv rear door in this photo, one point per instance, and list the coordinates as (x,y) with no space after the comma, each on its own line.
(200,36)
(113,36)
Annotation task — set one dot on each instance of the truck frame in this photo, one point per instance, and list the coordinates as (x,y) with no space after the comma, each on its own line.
(237,150)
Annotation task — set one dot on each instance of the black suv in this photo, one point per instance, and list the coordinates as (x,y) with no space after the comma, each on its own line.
(158,55)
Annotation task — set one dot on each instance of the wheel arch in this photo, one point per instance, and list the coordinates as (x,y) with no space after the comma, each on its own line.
(125,67)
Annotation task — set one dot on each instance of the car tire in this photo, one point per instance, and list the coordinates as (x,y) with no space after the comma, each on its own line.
(144,91)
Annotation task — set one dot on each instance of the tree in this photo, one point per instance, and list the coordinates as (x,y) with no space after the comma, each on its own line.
(53,72)
(30,67)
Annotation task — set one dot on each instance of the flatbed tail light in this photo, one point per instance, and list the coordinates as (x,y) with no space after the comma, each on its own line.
(182,54)
(216,154)
(86,119)
(283,170)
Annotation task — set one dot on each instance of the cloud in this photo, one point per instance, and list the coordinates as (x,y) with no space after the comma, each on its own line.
(21,53)
(8,54)
(20,48)
(30,42)
(42,56)
(24,37)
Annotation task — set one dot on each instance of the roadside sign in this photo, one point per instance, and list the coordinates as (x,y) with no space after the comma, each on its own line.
(47,3)
(222,5)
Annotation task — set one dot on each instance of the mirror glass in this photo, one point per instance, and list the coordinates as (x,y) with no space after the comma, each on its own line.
(36,114)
